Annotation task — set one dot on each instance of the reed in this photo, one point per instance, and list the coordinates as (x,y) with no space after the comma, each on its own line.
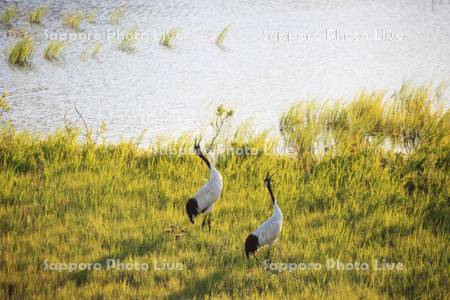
(9,15)
(91,52)
(53,50)
(168,37)
(128,43)
(22,52)
(37,15)
(91,17)
(73,20)
(4,105)
(115,16)
(96,50)
(223,34)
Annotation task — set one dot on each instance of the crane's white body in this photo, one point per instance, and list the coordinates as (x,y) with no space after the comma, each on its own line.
(210,192)
(269,231)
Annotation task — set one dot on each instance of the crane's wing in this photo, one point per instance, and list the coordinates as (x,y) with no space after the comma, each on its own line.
(205,197)
(268,231)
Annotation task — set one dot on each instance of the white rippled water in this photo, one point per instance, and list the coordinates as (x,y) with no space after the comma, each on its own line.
(276,53)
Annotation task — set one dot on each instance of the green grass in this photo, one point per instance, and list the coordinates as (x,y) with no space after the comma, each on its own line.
(22,52)
(73,20)
(66,200)
(53,50)
(9,15)
(168,37)
(37,15)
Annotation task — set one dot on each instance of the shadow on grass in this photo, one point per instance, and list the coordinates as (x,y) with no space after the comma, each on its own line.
(200,288)
(131,247)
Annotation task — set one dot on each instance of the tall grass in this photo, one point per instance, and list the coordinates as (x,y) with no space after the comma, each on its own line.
(73,20)
(53,50)
(168,37)
(22,52)
(66,198)
(37,15)
(371,119)
(9,15)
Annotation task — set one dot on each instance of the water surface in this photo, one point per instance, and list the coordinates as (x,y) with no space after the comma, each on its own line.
(276,53)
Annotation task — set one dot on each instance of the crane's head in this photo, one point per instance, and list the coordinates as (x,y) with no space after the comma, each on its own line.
(197,148)
(268,180)
(251,245)
(192,209)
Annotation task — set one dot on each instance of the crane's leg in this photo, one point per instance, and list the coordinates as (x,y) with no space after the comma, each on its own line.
(268,251)
(204,221)
(209,222)
(256,257)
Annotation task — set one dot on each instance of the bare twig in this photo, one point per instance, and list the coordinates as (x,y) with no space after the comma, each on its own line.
(218,129)
(82,119)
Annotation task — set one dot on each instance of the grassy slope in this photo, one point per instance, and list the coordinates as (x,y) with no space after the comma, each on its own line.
(66,201)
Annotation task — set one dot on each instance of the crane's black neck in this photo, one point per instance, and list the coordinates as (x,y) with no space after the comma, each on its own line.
(205,160)
(271,193)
